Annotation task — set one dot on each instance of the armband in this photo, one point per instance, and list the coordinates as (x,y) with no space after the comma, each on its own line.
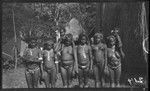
(40,58)
(56,62)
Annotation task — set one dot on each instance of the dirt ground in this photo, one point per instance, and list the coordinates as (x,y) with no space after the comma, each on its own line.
(16,79)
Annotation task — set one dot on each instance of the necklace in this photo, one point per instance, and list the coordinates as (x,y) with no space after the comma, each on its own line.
(48,55)
(31,52)
(84,55)
(113,48)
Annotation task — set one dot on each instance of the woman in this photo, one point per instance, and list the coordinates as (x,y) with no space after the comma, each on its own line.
(114,62)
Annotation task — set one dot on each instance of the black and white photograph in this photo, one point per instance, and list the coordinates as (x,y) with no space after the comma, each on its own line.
(75,44)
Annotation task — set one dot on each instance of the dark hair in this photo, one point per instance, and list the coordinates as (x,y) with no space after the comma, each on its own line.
(31,46)
(69,35)
(102,36)
(97,34)
(31,41)
(46,44)
(83,35)
(108,40)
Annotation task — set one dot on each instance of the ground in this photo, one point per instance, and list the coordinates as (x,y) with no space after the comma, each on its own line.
(16,79)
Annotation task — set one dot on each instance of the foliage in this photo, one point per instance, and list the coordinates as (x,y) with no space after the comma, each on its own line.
(36,19)
(7,64)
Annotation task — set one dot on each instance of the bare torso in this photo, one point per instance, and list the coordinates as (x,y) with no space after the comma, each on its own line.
(83,55)
(32,58)
(113,57)
(48,58)
(99,53)
(67,55)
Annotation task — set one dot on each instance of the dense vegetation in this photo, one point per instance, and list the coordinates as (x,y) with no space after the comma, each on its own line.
(40,19)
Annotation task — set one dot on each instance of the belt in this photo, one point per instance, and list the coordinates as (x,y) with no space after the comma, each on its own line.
(66,66)
(83,67)
(114,67)
(32,70)
(49,69)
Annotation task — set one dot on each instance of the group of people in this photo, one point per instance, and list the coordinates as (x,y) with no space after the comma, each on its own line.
(81,60)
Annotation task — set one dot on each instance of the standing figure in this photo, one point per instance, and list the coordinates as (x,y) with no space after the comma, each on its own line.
(114,62)
(62,36)
(99,51)
(31,57)
(119,49)
(118,42)
(62,33)
(49,65)
(58,48)
(68,60)
(84,60)
(92,41)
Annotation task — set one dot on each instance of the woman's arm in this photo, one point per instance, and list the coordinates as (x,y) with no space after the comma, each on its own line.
(56,62)
(91,58)
(75,57)
(119,45)
(105,54)
(41,64)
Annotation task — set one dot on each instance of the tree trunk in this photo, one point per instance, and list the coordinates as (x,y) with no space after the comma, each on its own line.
(15,40)
(99,17)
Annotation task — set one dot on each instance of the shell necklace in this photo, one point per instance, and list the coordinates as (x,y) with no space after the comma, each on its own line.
(31,52)
(84,55)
